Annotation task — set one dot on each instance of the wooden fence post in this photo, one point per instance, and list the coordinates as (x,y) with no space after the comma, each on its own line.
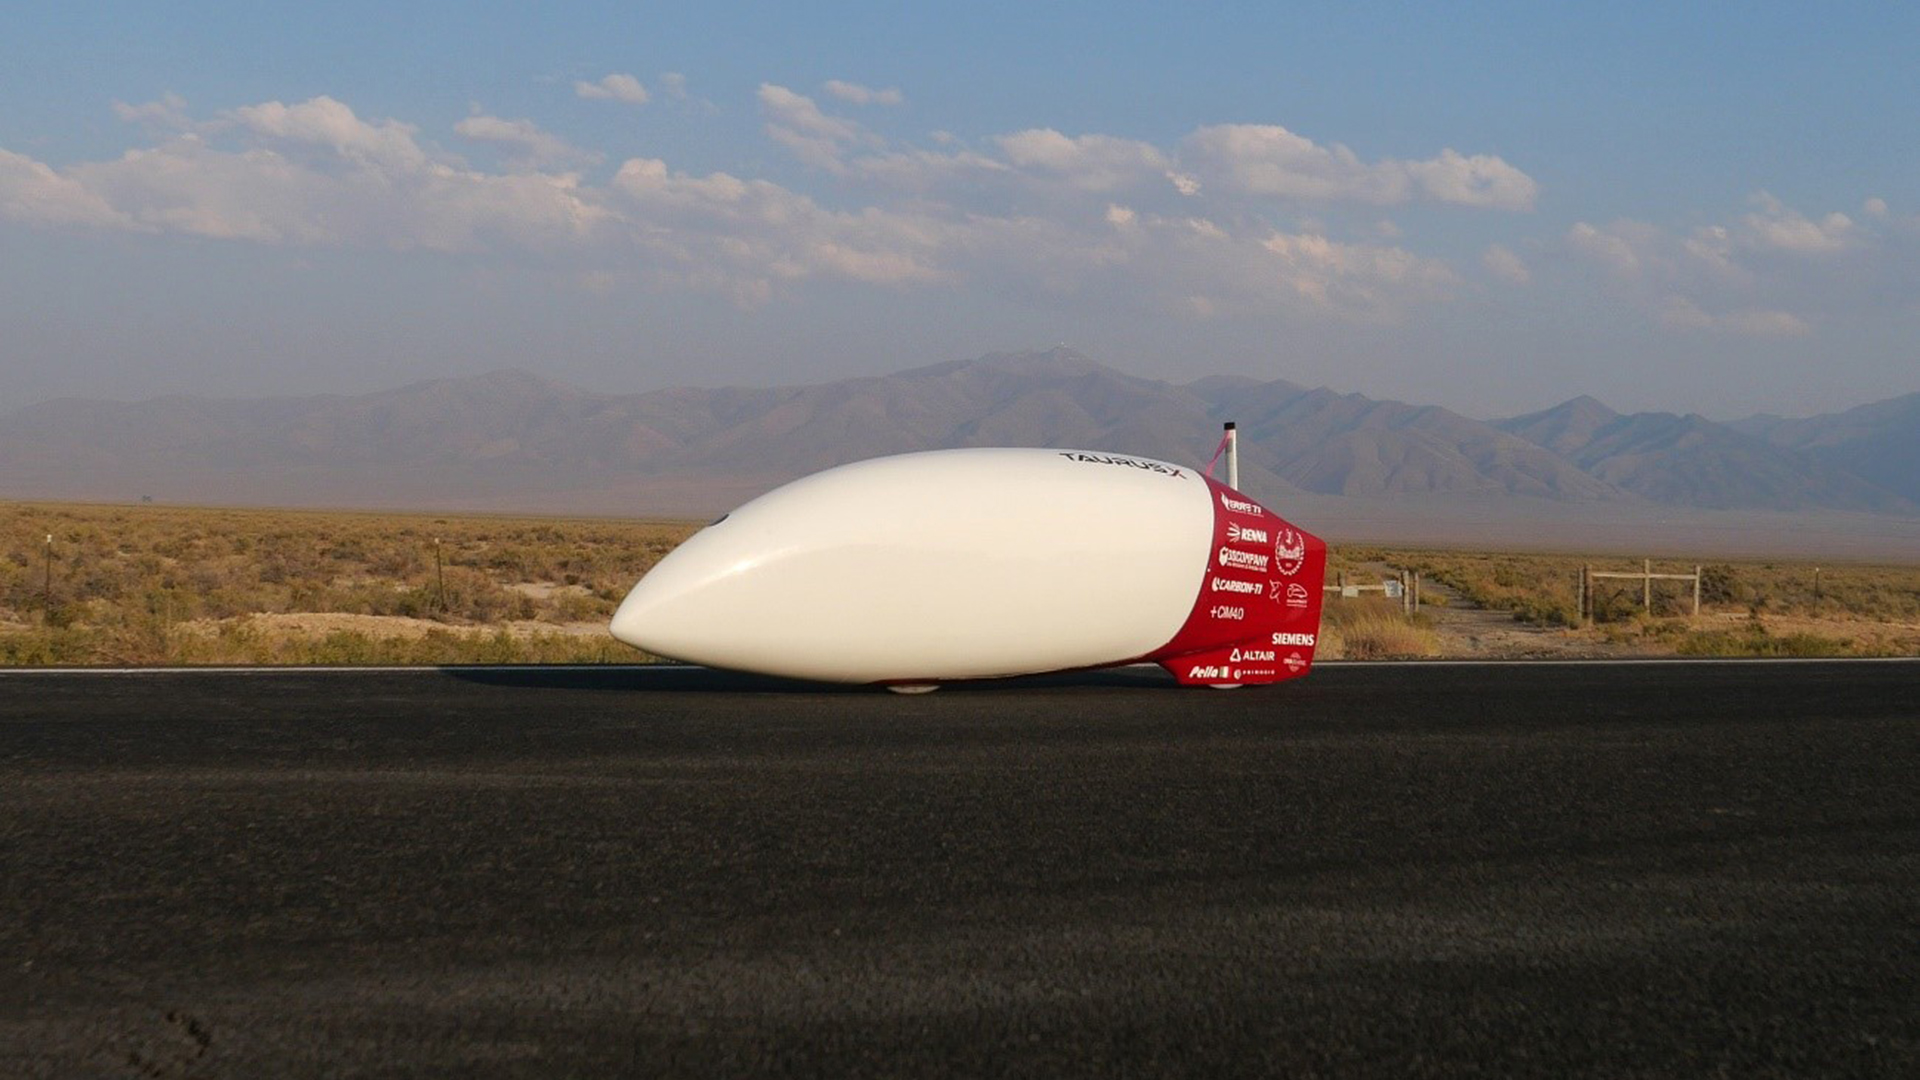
(1646,586)
(1696,592)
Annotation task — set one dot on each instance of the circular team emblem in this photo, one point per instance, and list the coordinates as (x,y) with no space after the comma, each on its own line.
(1289,551)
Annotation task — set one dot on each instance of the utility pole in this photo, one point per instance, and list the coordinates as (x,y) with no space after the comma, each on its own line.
(1233,455)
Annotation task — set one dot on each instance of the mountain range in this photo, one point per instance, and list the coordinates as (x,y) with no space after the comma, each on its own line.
(513,440)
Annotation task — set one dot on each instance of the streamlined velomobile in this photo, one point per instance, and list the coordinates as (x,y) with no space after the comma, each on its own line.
(919,569)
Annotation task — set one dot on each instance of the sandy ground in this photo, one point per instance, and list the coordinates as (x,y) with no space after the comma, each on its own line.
(1469,632)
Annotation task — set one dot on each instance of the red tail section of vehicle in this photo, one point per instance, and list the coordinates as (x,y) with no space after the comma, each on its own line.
(1257,617)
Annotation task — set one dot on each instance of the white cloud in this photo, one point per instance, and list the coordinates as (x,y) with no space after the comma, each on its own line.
(533,147)
(1036,212)
(1609,248)
(674,85)
(1501,262)
(855,94)
(33,193)
(615,87)
(1269,161)
(1768,275)
(1761,322)
(796,122)
(313,173)
(1477,180)
(1680,313)
(1875,206)
(756,232)
(922,171)
(1089,162)
(169,113)
(327,123)
(1780,228)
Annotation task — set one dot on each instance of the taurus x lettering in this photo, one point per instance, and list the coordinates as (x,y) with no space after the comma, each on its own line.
(1245,534)
(1108,459)
(1241,506)
(1246,560)
(1230,585)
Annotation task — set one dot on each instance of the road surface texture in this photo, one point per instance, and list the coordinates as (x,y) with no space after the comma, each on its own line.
(1633,869)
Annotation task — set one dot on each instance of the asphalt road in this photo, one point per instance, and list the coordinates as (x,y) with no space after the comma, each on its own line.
(1648,869)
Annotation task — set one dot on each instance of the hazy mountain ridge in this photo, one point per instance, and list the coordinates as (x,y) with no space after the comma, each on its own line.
(503,435)
(1692,461)
(1878,442)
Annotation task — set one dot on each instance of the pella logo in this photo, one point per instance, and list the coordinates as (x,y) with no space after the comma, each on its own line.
(1245,560)
(1240,506)
(1209,671)
(1289,552)
(1245,534)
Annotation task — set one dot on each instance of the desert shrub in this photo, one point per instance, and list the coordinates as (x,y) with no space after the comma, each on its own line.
(1753,640)
(573,607)
(1615,605)
(1721,584)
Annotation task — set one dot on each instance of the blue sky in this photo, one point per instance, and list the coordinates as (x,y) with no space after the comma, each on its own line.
(1709,208)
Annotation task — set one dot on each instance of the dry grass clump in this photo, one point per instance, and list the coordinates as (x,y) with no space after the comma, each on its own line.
(1374,630)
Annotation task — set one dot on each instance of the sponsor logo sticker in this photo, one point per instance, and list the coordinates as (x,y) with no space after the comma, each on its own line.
(1209,671)
(1245,534)
(1296,594)
(1289,552)
(1220,584)
(1284,638)
(1294,662)
(1241,506)
(1230,613)
(1245,560)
